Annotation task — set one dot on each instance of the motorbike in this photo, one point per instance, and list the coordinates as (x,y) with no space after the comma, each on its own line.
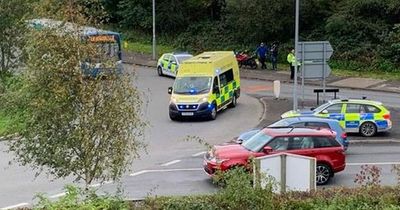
(246,60)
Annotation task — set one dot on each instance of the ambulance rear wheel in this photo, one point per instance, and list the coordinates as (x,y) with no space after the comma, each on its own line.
(368,129)
(159,71)
(234,101)
(213,113)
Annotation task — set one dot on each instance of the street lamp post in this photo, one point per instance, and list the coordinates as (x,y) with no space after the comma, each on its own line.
(154,29)
(296,41)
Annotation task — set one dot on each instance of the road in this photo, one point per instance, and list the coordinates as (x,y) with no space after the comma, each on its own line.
(173,165)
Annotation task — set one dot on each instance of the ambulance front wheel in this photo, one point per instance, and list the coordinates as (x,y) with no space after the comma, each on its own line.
(173,117)
(213,113)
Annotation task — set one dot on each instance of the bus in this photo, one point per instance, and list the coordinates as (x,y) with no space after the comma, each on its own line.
(108,42)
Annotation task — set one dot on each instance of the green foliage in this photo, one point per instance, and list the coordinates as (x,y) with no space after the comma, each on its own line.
(147,48)
(251,22)
(172,16)
(135,14)
(12,119)
(390,49)
(363,33)
(239,194)
(12,29)
(204,36)
(75,199)
(76,11)
(90,128)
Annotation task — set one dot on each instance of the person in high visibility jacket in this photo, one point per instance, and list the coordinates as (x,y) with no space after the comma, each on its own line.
(291,59)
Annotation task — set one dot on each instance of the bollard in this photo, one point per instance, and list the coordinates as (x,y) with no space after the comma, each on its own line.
(277,88)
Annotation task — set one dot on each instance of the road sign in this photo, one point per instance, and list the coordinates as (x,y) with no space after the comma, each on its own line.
(314,70)
(314,57)
(315,50)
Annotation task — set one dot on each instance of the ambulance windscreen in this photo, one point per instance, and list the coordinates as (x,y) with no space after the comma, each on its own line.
(192,85)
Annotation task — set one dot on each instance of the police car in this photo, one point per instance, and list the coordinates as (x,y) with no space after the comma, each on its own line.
(355,116)
(168,64)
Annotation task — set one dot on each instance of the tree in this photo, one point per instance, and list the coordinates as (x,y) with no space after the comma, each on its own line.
(172,16)
(358,26)
(260,20)
(90,128)
(12,29)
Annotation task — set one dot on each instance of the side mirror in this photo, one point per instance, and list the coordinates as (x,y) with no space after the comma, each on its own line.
(170,90)
(325,112)
(267,149)
(312,108)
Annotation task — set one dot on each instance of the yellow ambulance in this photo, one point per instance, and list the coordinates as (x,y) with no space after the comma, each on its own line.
(204,85)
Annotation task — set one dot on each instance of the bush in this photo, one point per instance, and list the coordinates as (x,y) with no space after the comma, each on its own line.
(76,199)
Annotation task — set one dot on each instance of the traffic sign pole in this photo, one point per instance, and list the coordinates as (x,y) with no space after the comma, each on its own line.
(296,40)
(323,73)
(302,76)
(154,29)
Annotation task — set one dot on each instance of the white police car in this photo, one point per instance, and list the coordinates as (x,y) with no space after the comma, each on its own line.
(168,63)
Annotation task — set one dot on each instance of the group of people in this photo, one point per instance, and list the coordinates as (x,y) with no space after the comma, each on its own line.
(263,51)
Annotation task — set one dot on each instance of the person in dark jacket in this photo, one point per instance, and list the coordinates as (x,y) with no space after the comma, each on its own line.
(274,56)
(262,55)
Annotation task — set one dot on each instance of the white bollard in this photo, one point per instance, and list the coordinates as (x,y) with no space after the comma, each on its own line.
(277,88)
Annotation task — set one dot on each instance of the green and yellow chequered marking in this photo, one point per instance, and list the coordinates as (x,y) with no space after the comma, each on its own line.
(226,93)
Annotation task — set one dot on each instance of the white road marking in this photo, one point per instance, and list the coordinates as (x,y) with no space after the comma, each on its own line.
(15,206)
(174,169)
(58,195)
(377,163)
(165,170)
(138,173)
(171,162)
(99,184)
(198,154)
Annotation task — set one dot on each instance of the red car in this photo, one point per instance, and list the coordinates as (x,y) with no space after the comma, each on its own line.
(318,143)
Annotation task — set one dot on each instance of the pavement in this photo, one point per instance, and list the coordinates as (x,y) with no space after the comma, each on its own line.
(332,81)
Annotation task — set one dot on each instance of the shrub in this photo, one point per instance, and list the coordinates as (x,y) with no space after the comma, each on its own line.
(76,199)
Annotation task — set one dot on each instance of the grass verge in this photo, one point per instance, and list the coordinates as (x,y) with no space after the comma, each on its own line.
(144,48)
(11,124)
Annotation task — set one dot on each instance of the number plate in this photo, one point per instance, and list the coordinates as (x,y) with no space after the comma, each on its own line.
(187,113)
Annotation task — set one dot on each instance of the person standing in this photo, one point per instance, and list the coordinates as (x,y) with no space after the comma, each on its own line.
(274,56)
(291,59)
(262,55)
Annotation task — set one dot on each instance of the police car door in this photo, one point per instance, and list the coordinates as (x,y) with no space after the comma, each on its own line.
(334,111)
(352,117)
(165,62)
(172,65)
